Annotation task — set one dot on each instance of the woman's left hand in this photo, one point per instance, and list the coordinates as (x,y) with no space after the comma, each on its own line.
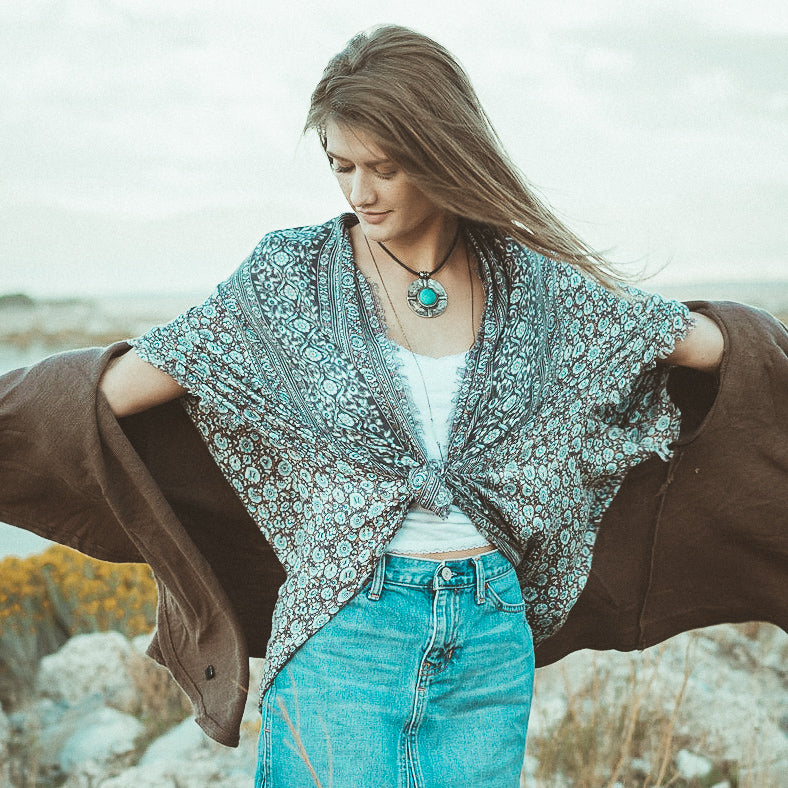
(702,348)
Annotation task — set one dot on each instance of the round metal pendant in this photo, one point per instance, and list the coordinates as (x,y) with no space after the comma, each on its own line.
(427,298)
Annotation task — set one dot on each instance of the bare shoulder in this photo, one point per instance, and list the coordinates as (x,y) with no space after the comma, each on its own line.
(132,385)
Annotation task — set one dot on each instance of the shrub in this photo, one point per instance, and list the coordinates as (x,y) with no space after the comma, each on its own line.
(47,598)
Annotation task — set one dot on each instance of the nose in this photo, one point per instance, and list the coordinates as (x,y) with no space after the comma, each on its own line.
(362,189)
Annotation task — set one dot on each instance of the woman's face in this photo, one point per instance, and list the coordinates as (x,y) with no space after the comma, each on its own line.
(389,206)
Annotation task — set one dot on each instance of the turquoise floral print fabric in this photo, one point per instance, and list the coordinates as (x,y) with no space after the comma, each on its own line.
(298,396)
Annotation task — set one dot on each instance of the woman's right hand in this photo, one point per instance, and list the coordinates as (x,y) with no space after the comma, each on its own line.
(132,385)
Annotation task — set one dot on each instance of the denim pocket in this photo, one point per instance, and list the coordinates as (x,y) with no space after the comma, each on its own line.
(504,592)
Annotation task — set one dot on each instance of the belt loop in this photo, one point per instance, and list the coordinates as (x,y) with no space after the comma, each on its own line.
(436,576)
(378,576)
(479,580)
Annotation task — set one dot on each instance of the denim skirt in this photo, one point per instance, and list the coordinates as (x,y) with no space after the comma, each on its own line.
(423,680)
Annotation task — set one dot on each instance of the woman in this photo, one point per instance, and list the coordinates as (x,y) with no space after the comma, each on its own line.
(426,405)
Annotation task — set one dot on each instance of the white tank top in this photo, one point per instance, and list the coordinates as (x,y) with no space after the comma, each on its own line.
(422,531)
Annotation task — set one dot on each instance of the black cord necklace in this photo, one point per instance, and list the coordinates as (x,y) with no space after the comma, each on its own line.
(426,296)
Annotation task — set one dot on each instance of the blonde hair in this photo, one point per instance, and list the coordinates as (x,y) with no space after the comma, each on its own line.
(415,100)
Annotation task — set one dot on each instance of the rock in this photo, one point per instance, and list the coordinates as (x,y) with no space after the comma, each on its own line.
(179,743)
(93,664)
(85,738)
(48,712)
(5,735)
(641,765)
(183,774)
(5,730)
(52,723)
(251,710)
(185,756)
(546,713)
(719,705)
(141,642)
(692,766)
(530,767)
(731,698)
(186,745)
(101,739)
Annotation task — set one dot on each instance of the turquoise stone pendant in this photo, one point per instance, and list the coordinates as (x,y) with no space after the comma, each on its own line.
(426,297)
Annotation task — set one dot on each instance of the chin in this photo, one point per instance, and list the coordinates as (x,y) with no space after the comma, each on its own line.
(375,232)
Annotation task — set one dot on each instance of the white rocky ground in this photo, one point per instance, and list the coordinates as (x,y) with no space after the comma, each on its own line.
(725,692)
(90,724)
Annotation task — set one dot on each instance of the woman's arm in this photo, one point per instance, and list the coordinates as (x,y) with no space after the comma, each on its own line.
(132,385)
(702,347)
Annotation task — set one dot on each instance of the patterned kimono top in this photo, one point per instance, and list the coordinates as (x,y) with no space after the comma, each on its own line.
(299,398)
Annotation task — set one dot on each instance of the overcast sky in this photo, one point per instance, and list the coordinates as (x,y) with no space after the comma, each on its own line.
(148,145)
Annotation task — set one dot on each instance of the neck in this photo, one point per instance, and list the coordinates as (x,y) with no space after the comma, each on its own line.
(427,245)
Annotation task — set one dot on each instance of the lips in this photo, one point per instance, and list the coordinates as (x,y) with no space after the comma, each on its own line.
(373,217)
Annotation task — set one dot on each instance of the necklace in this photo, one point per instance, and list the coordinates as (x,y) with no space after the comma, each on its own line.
(407,341)
(426,296)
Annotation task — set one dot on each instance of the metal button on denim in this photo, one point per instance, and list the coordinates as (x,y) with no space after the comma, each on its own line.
(446,573)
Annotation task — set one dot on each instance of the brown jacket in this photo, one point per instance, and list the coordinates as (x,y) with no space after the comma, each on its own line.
(697,541)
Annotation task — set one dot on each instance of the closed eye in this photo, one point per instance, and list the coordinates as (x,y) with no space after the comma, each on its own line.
(346,168)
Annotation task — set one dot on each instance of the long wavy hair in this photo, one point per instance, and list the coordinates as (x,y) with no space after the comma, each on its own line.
(412,97)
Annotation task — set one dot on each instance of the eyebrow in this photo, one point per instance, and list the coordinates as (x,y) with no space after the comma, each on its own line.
(371,163)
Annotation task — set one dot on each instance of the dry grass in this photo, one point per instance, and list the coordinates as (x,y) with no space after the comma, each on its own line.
(606,737)
(162,703)
(596,741)
(624,720)
(298,746)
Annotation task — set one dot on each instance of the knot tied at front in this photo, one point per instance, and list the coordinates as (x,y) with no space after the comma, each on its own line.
(429,490)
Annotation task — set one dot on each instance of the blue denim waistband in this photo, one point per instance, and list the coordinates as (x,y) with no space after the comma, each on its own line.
(450,573)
